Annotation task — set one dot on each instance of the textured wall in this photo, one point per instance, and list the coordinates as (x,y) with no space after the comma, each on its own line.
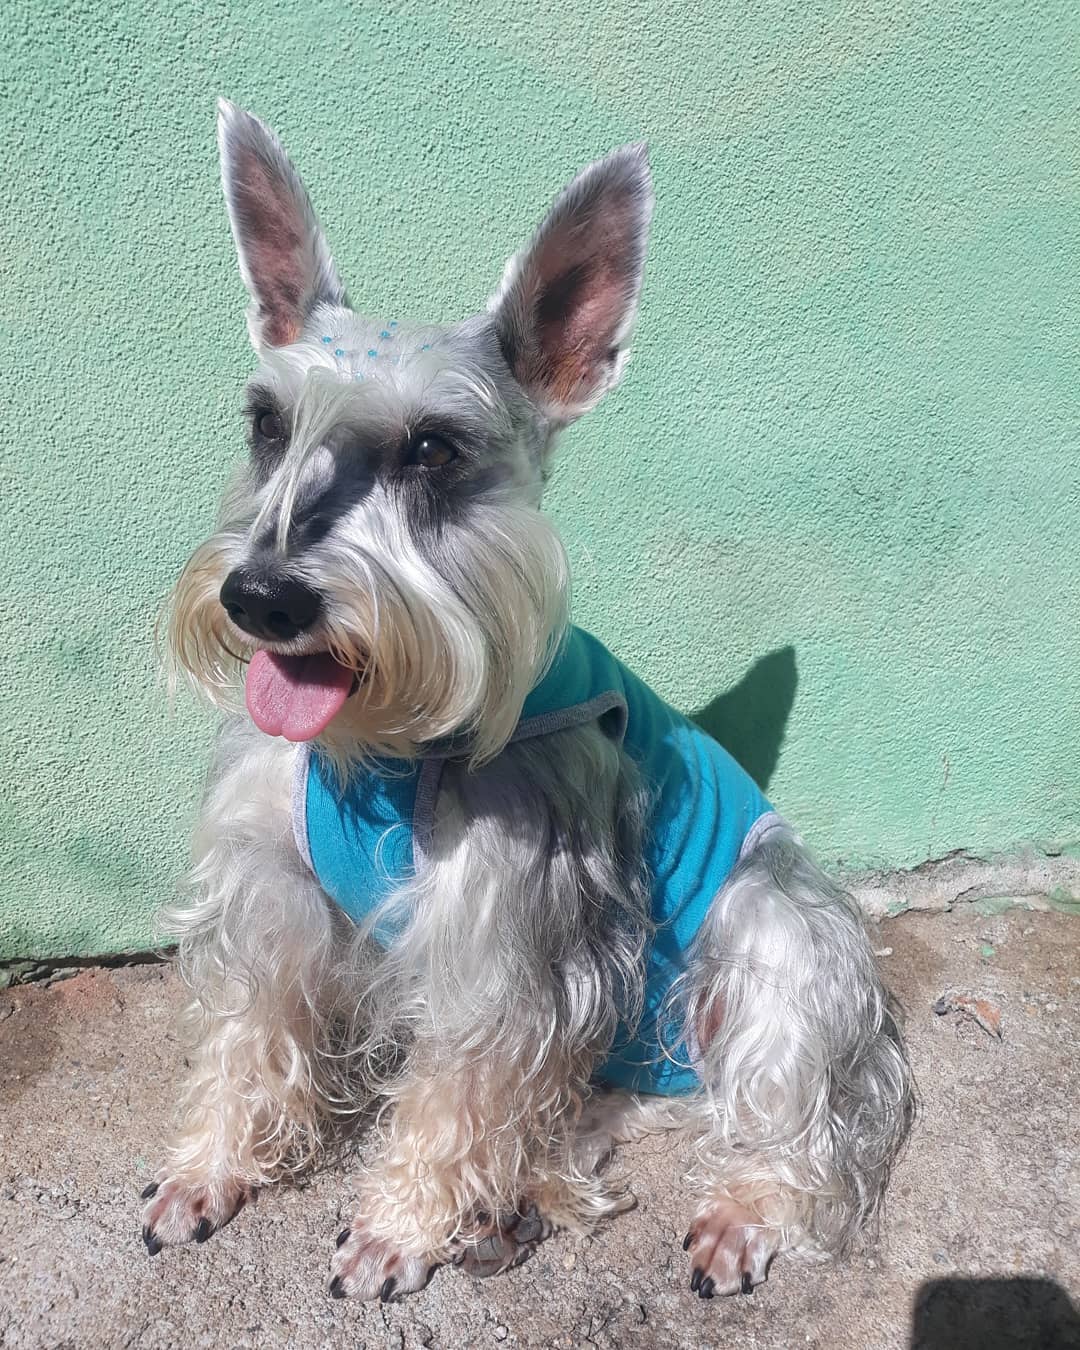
(833,506)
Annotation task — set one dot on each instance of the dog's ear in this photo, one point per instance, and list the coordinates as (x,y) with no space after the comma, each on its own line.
(567,301)
(284,259)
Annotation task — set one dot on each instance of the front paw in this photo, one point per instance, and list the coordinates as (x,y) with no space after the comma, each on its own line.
(504,1244)
(730,1249)
(367,1267)
(186,1209)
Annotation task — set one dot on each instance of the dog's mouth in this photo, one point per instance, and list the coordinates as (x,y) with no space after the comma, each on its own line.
(296,696)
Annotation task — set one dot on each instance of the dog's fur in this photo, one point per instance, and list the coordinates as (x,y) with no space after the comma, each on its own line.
(477,1031)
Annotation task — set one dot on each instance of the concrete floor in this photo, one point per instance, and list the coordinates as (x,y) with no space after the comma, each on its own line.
(981,1245)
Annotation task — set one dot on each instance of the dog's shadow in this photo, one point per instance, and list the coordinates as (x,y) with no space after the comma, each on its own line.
(750,719)
(1003,1313)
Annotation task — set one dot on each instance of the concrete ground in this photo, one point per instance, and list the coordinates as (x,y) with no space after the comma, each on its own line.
(981,1245)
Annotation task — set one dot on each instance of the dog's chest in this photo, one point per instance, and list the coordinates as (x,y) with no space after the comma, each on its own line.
(366,840)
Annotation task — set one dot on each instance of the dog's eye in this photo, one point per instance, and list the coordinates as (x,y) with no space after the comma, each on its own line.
(269,426)
(431,452)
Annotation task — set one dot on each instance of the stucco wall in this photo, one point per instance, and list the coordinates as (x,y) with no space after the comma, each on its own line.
(834,504)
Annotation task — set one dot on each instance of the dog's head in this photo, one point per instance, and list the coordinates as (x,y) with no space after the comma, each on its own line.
(380,559)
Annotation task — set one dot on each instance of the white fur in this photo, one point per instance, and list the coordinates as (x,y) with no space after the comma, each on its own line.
(475,1036)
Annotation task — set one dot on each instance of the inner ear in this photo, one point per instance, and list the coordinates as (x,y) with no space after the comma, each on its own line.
(577,319)
(284,259)
(273,249)
(568,300)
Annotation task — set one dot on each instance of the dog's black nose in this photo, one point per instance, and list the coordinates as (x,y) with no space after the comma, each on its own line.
(269,605)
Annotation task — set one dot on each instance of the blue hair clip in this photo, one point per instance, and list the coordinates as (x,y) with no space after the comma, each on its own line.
(327,339)
(373,353)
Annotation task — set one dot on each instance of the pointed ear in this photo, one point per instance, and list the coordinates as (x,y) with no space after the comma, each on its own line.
(284,260)
(567,301)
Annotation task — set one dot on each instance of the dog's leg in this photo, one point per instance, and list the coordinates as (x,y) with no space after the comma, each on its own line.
(610,1117)
(258,948)
(807,1089)
(526,941)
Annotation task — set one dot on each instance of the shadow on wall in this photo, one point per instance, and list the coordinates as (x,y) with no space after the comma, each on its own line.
(750,719)
(1025,1313)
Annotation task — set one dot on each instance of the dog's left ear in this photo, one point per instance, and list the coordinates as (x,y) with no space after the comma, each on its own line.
(284,259)
(567,301)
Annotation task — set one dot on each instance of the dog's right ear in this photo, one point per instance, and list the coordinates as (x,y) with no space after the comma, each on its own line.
(284,260)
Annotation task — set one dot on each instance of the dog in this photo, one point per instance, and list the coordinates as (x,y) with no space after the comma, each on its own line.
(458,875)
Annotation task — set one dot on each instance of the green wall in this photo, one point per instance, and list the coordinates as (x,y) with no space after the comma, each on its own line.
(833,507)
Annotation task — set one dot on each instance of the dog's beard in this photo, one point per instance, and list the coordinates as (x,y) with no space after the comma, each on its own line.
(202,644)
(441,642)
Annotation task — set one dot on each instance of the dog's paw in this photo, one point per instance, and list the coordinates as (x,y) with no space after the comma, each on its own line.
(730,1249)
(368,1267)
(181,1210)
(503,1245)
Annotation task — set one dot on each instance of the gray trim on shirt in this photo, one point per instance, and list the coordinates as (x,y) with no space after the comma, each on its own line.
(299,804)
(427,792)
(577,716)
(771,820)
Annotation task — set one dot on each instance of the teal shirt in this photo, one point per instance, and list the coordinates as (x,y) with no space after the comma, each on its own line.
(361,843)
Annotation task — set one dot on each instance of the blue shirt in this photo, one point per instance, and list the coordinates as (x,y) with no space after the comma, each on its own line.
(706,811)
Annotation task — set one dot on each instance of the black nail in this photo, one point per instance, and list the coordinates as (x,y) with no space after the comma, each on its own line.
(696,1278)
(150,1190)
(687,1241)
(707,1287)
(386,1293)
(153,1243)
(337,1289)
(343,1237)
(747,1283)
(203,1231)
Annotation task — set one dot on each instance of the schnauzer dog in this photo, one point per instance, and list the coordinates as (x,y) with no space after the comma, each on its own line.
(458,873)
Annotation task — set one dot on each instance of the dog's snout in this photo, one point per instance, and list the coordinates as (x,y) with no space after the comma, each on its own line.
(269,605)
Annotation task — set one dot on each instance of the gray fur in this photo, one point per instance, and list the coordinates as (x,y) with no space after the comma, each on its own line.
(522,934)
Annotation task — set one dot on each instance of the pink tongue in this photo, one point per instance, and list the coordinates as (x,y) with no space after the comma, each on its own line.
(295,696)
